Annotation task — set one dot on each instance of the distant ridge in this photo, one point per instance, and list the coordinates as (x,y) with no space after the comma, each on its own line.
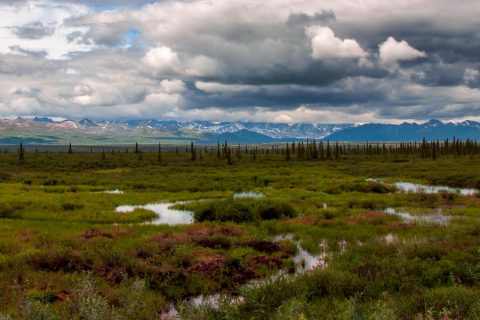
(45,130)
(431,130)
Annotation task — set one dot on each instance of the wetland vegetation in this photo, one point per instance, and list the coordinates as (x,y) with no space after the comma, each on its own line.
(328,234)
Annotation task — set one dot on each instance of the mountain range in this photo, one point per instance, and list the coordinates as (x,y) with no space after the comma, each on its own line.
(86,131)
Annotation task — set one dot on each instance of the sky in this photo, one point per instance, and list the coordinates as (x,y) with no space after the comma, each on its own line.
(317,61)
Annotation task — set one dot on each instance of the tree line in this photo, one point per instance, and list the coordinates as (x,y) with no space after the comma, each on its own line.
(300,150)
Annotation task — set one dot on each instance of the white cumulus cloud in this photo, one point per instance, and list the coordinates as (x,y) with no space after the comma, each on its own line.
(325,45)
(162,61)
(392,51)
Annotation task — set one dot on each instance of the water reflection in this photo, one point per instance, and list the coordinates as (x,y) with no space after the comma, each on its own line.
(243,195)
(166,215)
(414,187)
(438,218)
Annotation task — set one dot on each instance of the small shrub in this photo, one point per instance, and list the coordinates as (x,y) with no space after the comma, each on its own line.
(50,182)
(88,305)
(10,211)
(377,187)
(243,210)
(34,310)
(72,206)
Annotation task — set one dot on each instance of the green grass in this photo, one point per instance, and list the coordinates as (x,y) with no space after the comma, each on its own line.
(65,252)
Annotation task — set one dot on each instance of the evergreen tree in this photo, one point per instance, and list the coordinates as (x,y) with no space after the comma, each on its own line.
(287,151)
(21,152)
(70,150)
(159,152)
(137,150)
(229,156)
(193,152)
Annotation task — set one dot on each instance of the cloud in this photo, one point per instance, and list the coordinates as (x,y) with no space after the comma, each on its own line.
(294,60)
(172,86)
(303,19)
(38,26)
(471,75)
(326,46)
(34,30)
(392,51)
(215,87)
(161,61)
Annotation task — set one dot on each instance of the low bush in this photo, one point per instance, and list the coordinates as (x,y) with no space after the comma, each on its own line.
(10,211)
(242,210)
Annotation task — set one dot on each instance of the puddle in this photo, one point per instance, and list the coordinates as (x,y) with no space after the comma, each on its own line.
(244,195)
(116,191)
(166,215)
(413,187)
(171,314)
(438,219)
(390,239)
(304,262)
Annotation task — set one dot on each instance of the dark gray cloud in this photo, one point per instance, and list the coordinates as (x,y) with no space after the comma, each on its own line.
(34,30)
(31,53)
(303,19)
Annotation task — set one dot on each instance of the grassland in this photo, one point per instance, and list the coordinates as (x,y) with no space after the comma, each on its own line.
(65,253)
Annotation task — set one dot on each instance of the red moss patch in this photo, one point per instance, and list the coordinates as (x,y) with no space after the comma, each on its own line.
(209,266)
(305,220)
(92,233)
(369,217)
(197,233)
(61,296)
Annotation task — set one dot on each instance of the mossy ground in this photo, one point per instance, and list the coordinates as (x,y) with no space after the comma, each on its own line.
(57,230)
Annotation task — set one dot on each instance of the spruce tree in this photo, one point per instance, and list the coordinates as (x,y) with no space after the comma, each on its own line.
(21,152)
(193,152)
(229,156)
(287,151)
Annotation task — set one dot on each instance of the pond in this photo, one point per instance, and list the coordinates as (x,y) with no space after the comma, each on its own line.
(243,195)
(166,215)
(116,191)
(414,187)
(438,219)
